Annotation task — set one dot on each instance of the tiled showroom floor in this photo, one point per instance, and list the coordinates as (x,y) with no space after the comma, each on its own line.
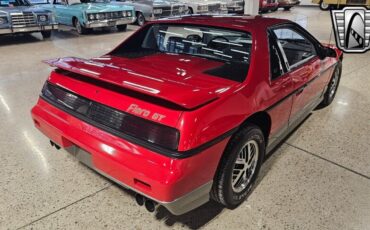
(318,179)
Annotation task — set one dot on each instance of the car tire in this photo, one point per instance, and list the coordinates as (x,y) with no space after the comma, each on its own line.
(324,6)
(122,27)
(274,9)
(46,34)
(232,184)
(80,28)
(287,8)
(332,88)
(140,19)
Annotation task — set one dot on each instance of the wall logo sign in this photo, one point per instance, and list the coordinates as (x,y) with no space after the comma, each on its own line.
(352,29)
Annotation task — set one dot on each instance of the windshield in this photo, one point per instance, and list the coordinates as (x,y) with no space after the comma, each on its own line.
(223,45)
(72,2)
(14,3)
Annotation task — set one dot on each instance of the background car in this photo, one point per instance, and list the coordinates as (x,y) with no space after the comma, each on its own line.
(267,5)
(205,6)
(143,9)
(163,8)
(19,16)
(235,6)
(287,4)
(85,15)
(328,4)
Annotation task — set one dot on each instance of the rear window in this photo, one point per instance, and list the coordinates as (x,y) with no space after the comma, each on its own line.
(233,48)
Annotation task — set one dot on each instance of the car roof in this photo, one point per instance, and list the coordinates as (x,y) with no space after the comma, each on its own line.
(242,22)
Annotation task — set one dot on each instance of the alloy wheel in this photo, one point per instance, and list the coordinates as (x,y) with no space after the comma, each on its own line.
(245,166)
(334,83)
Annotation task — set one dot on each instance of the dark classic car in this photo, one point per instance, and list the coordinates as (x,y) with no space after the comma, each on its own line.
(20,16)
(186,110)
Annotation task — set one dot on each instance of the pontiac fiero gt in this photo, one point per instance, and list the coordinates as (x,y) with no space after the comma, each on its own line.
(186,109)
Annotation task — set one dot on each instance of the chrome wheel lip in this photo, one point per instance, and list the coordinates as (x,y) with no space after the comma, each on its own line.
(324,5)
(245,166)
(140,20)
(78,27)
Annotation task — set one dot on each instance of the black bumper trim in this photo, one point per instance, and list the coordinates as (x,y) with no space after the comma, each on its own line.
(160,150)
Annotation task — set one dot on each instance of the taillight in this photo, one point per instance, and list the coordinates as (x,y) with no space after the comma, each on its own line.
(110,119)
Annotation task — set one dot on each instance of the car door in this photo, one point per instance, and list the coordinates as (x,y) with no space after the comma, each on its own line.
(281,86)
(303,65)
(60,9)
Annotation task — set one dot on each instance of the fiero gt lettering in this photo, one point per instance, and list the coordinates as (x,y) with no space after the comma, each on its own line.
(134,108)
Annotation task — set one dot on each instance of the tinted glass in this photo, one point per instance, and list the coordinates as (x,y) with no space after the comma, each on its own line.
(276,60)
(296,47)
(230,47)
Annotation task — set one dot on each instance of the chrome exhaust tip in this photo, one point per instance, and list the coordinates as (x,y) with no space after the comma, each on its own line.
(140,200)
(54,145)
(150,205)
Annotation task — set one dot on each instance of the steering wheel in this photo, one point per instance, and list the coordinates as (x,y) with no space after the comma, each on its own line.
(218,43)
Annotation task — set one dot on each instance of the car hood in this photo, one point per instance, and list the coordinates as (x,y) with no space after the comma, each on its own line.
(23,9)
(100,7)
(179,79)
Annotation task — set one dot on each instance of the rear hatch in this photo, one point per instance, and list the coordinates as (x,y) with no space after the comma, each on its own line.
(178,79)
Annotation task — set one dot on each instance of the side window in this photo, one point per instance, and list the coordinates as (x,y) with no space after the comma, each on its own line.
(60,2)
(296,47)
(276,60)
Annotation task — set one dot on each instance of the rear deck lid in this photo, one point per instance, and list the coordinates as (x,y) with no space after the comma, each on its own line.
(179,79)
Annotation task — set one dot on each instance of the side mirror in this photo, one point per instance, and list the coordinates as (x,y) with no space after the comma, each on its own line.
(327,52)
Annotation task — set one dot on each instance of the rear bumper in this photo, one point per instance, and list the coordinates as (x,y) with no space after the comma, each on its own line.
(269,6)
(236,9)
(180,185)
(287,4)
(28,29)
(109,23)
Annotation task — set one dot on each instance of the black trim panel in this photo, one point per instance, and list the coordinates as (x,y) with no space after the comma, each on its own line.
(169,153)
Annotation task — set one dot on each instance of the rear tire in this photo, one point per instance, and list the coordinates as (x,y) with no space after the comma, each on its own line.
(287,8)
(274,9)
(122,27)
(46,34)
(333,84)
(239,167)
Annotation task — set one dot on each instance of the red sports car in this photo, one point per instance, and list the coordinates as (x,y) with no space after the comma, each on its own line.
(186,109)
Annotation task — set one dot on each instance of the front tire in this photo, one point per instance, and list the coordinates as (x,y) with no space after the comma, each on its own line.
(287,8)
(140,19)
(46,34)
(80,28)
(332,89)
(324,6)
(122,27)
(239,167)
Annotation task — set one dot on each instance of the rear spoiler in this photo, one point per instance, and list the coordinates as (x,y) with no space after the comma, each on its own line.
(127,79)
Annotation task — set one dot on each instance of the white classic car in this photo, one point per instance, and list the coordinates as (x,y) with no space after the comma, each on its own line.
(206,6)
